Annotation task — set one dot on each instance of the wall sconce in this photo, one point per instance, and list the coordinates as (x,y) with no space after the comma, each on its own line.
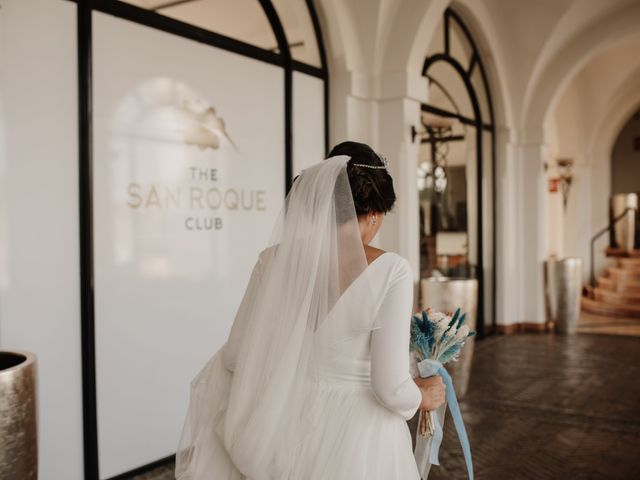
(565,177)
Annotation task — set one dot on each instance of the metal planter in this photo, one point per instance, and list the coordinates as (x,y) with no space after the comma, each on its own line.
(18,433)
(563,279)
(445,294)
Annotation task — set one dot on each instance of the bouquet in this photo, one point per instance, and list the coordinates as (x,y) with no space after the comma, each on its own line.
(436,339)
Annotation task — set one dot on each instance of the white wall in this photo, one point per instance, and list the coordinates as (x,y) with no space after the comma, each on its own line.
(39,269)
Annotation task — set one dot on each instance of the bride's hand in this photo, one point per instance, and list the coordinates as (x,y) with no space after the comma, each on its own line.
(433,392)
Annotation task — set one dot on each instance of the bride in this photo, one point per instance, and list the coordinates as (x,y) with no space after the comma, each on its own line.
(313,382)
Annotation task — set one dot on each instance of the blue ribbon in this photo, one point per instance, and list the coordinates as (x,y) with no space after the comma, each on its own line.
(427,368)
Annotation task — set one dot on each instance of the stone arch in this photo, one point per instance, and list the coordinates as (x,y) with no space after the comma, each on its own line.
(344,49)
(478,20)
(544,93)
(410,35)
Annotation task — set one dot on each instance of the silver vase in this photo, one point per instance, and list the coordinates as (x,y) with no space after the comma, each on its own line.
(446,294)
(18,434)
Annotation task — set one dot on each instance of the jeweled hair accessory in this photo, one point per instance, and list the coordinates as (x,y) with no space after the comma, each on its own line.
(382,159)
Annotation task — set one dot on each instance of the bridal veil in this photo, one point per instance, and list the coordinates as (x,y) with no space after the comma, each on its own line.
(247,414)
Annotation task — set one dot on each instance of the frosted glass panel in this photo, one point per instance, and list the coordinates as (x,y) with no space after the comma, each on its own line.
(308,121)
(188,181)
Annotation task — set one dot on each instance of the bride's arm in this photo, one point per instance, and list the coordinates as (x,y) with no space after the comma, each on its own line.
(390,376)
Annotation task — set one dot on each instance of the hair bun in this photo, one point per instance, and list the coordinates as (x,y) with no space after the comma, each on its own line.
(372,188)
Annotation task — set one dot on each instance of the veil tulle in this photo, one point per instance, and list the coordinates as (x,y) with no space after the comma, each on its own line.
(247,415)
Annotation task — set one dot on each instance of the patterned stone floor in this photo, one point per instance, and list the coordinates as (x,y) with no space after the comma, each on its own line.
(161,473)
(550,407)
(545,406)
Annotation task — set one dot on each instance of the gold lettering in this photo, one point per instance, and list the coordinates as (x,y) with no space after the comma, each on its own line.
(153,198)
(173,198)
(196,195)
(133,193)
(243,197)
(260,201)
(234,202)
(214,203)
(163,196)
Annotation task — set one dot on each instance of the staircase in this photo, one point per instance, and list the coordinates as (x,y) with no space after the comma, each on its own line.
(617,292)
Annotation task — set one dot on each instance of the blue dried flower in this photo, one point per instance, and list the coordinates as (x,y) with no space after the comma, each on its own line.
(453,321)
(450,353)
(425,343)
(463,317)
(422,329)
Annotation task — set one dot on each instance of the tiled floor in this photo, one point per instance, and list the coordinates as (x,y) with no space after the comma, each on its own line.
(550,407)
(546,406)
(161,473)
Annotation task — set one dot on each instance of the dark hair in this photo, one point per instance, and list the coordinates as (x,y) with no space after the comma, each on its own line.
(372,188)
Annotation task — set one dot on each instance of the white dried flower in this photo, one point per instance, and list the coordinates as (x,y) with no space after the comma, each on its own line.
(463,332)
(438,317)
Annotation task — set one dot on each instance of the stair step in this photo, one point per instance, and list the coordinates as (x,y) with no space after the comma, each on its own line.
(629,263)
(627,287)
(614,252)
(624,275)
(604,308)
(608,296)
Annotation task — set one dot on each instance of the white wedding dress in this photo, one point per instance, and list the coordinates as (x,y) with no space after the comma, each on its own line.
(355,397)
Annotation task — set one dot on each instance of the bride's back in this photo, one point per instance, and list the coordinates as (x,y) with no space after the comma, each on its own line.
(358,403)
(346,335)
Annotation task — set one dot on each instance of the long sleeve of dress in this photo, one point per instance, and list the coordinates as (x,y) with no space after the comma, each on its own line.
(391,380)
